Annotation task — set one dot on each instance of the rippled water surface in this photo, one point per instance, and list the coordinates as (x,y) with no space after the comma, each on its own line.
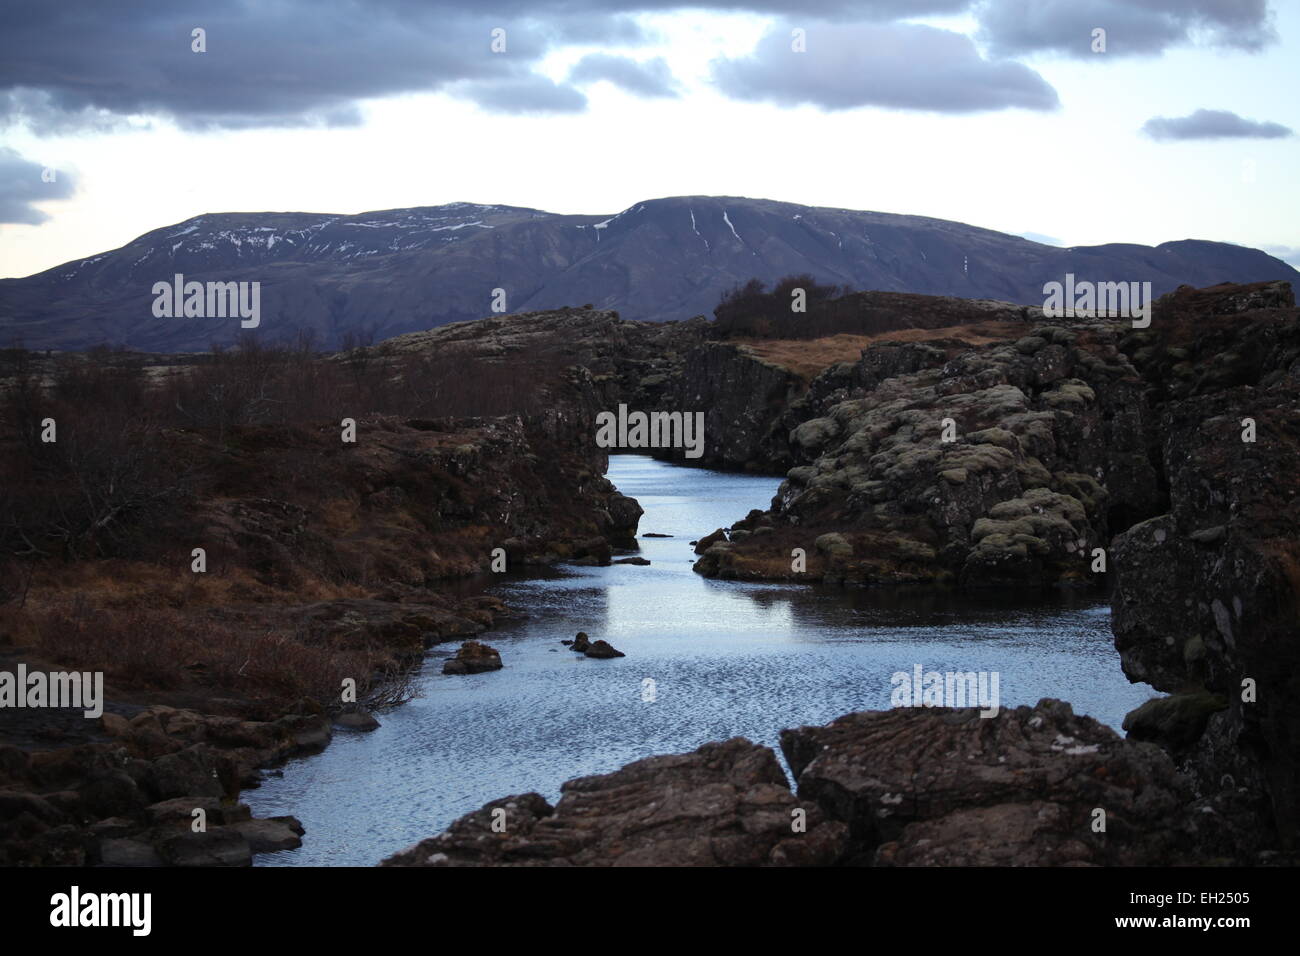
(726,658)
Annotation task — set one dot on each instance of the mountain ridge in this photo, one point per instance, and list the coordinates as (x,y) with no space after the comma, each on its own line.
(382,273)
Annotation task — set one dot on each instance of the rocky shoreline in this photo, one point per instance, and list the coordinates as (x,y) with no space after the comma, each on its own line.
(891,788)
(213,678)
(1170,453)
(977,448)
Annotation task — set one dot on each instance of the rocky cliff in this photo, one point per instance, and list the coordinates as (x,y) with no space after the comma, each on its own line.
(1207,593)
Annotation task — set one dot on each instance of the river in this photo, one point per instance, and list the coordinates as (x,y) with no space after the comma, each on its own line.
(726,659)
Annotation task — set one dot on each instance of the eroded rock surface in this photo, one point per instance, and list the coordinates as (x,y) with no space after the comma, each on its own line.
(726,804)
(947,787)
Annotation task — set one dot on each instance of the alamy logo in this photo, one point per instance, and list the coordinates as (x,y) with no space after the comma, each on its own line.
(653,430)
(55,689)
(75,908)
(1125,300)
(211,300)
(951,689)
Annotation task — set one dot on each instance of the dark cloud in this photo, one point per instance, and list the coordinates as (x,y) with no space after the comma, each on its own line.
(901,66)
(291,63)
(23,183)
(86,64)
(1133,27)
(1212,124)
(649,78)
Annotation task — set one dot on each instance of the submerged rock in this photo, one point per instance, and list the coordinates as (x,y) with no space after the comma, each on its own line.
(358,720)
(271,834)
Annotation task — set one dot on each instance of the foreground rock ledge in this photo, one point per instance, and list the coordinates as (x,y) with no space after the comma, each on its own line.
(726,804)
(902,787)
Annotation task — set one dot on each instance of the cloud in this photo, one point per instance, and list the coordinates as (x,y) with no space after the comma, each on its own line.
(900,66)
(23,183)
(1133,27)
(1212,124)
(531,94)
(85,64)
(650,78)
(89,65)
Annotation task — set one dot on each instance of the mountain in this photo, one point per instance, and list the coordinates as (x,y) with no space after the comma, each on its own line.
(380,274)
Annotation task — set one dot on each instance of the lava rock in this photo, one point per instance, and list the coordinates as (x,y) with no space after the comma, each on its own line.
(473,658)
(943,786)
(361,720)
(726,804)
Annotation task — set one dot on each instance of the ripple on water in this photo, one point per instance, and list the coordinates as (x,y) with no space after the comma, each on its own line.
(727,659)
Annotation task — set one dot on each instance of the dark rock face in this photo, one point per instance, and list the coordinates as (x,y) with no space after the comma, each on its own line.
(742,397)
(726,804)
(662,259)
(947,787)
(1003,465)
(603,649)
(1174,722)
(130,800)
(1207,594)
(1195,610)
(473,658)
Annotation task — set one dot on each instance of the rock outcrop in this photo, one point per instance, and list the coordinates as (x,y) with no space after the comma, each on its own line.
(1002,465)
(1029,787)
(473,657)
(726,804)
(135,794)
(1207,595)
(1033,786)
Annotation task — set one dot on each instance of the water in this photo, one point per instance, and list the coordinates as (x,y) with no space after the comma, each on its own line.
(727,659)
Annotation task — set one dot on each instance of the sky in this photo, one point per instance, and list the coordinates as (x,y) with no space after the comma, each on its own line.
(1005,114)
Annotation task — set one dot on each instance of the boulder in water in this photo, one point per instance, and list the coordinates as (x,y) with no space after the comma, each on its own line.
(473,658)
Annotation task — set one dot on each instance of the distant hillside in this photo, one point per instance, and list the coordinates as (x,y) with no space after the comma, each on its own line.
(380,274)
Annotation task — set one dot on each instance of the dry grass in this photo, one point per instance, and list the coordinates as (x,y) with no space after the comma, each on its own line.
(808,358)
(115,583)
(162,650)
